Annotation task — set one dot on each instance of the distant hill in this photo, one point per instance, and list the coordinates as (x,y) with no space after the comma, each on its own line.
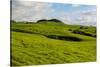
(51,20)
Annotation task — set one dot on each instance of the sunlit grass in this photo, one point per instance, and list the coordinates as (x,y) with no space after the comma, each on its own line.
(35,48)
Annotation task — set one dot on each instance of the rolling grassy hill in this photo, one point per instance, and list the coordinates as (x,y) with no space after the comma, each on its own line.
(52,43)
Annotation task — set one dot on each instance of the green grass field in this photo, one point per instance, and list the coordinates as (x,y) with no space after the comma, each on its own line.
(52,43)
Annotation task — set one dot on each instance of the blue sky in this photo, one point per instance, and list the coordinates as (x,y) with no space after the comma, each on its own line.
(72,7)
(68,13)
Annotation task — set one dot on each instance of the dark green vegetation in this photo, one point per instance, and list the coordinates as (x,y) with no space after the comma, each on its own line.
(51,20)
(50,42)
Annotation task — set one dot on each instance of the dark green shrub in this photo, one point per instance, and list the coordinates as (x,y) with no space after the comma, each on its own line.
(19,30)
(70,29)
(81,27)
(81,32)
(52,36)
(69,38)
(94,35)
(86,28)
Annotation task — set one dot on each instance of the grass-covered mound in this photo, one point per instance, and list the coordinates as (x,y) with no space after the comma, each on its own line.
(51,43)
(51,21)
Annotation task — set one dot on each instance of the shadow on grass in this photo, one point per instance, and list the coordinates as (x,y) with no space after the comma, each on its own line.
(58,37)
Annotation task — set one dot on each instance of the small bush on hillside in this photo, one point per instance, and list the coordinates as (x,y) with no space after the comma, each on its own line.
(94,35)
(82,33)
(70,29)
(86,27)
(78,32)
(52,36)
(68,38)
(81,27)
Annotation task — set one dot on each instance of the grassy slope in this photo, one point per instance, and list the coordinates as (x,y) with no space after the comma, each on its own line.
(31,49)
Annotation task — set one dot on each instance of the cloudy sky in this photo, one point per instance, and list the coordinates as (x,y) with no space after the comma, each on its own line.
(68,13)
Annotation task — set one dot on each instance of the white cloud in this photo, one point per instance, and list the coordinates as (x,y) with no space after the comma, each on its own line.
(25,3)
(87,18)
(75,5)
(80,18)
(29,10)
(33,11)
